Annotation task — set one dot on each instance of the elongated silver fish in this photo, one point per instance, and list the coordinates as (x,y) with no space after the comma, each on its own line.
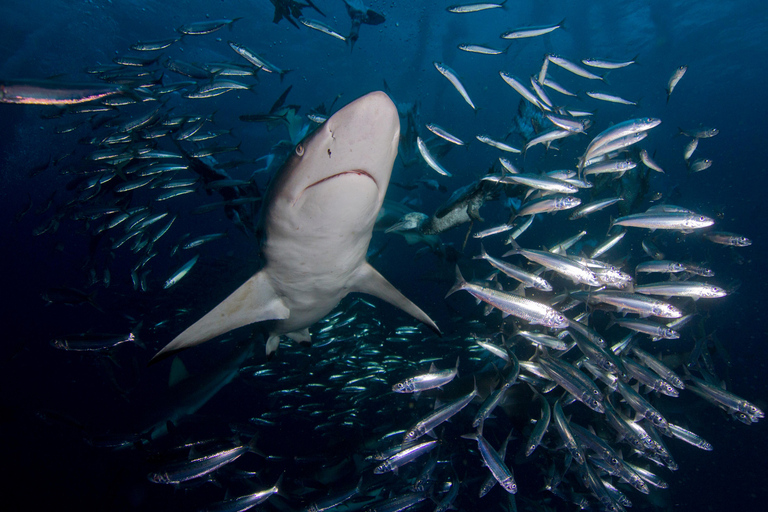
(496,144)
(525,32)
(452,77)
(405,456)
(725,238)
(640,304)
(518,86)
(529,280)
(572,67)
(427,156)
(548,205)
(181,272)
(526,309)
(611,98)
(691,289)
(673,220)
(563,265)
(482,50)
(608,64)
(443,134)
(431,380)
(593,207)
(321,27)
(495,463)
(482,6)
(438,416)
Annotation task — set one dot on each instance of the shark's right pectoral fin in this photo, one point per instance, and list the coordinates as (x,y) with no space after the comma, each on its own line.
(254,301)
(369,281)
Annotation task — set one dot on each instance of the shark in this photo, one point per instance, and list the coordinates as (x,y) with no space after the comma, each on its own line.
(317,221)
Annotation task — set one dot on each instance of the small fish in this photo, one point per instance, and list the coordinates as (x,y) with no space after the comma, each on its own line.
(521,89)
(602,96)
(150,46)
(700,133)
(529,280)
(594,206)
(690,148)
(525,32)
(700,165)
(205,27)
(496,144)
(675,221)
(427,156)
(181,272)
(482,50)
(725,238)
(607,64)
(526,309)
(321,27)
(573,68)
(50,92)
(674,79)
(444,134)
(93,342)
(454,79)
(431,380)
(648,162)
(465,8)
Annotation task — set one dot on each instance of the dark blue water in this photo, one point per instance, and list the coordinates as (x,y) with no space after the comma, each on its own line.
(52,401)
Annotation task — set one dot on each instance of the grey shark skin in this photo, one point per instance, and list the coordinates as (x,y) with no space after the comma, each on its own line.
(318,218)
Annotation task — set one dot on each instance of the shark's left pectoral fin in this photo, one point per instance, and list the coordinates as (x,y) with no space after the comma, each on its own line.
(369,281)
(255,301)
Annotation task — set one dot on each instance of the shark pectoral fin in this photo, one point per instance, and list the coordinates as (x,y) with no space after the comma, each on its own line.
(254,301)
(369,281)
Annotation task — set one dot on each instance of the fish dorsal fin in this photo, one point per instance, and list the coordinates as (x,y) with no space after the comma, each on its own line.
(432,368)
(178,372)
(368,280)
(519,291)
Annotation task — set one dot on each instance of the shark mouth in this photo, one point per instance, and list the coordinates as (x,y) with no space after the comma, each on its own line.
(359,172)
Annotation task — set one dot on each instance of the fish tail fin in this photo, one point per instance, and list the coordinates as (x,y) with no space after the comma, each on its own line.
(515,247)
(232,23)
(483,255)
(459,284)
(612,321)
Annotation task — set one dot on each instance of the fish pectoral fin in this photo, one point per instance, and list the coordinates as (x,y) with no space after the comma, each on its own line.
(369,281)
(255,301)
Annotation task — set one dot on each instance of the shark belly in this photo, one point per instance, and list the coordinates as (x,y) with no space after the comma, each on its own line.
(313,251)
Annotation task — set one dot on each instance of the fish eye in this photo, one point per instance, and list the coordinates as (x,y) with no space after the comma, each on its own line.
(299,150)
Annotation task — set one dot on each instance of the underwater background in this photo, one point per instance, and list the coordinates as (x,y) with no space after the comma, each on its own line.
(75,424)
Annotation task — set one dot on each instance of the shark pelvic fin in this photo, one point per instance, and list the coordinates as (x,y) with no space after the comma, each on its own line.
(254,301)
(369,281)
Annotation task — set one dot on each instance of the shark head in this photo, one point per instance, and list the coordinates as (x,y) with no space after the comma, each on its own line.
(339,174)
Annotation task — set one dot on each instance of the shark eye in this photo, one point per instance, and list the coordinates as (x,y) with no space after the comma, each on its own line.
(299,150)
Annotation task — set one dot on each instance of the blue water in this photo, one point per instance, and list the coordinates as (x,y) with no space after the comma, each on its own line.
(48,463)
